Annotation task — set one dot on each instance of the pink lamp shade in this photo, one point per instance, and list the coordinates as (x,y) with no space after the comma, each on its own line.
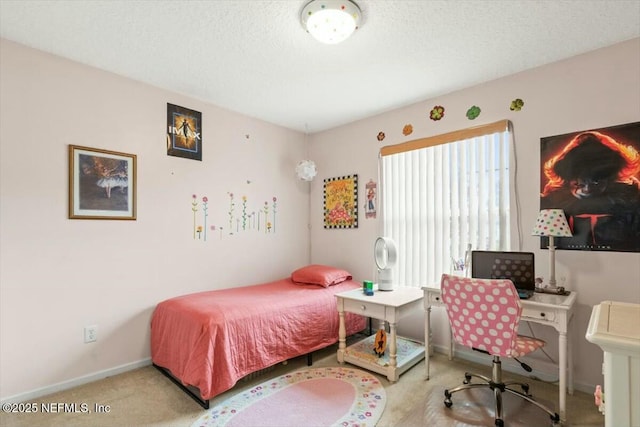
(551,222)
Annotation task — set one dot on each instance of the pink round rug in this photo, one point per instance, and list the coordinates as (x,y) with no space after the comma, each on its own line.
(335,396)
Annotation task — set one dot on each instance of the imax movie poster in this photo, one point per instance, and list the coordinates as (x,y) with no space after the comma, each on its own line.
(594,176)
(184,132)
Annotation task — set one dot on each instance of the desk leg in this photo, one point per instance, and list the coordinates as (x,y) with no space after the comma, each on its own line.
(570,358)
(342,335)
(427,339)
(562,390)
(393,356)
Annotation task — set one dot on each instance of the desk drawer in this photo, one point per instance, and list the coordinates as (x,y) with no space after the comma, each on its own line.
(435,299)
(364,308)
(539,314)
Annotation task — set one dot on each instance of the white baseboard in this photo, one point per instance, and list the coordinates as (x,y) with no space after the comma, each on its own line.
(542,370)
(549,373)
(65,385)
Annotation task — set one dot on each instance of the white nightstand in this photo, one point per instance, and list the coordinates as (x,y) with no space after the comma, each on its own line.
(389,306)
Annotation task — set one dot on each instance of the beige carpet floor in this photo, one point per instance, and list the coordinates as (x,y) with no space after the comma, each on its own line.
(144,397)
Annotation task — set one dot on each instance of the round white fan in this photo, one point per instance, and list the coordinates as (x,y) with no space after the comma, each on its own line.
(385,255)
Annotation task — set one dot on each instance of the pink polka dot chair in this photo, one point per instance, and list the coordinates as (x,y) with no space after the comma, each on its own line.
(484,315)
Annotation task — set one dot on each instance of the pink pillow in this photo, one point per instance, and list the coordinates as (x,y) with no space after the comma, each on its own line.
(322,275)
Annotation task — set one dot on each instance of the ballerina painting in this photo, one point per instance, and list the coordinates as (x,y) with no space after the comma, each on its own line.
(102,184)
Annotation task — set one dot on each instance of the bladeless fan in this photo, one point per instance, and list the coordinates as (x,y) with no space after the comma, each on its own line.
(385,255)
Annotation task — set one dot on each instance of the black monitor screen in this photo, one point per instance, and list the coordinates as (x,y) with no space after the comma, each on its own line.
(516,266)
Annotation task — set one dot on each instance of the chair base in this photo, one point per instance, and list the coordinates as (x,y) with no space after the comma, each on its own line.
(498,387)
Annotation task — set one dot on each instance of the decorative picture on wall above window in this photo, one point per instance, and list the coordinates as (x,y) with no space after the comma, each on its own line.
(594,176)
(341,202)
(102,184)
(184,132)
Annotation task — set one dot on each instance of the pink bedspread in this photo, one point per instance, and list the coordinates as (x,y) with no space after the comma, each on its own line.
(212,339)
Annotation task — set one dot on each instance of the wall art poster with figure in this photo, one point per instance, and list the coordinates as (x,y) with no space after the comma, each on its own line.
(184,132)
(341,202)
(102,184)
(594,176)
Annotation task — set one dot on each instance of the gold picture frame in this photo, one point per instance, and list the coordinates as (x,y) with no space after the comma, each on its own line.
(102,184)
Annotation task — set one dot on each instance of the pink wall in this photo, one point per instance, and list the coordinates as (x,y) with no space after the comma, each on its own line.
(58,275)
(598,89)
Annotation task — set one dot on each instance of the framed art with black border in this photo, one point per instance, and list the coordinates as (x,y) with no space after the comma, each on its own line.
(102,184)
(341,202)
(184,132)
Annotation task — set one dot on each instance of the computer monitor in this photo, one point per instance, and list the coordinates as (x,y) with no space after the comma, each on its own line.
(519,267)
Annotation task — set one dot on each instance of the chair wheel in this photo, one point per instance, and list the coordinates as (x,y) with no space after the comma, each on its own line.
(447,399)
(499,422)
(525,389)
(467,379)
(555,418)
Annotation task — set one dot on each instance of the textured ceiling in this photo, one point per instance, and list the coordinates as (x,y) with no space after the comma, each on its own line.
(253,56)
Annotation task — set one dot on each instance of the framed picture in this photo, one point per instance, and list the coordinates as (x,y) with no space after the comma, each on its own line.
(594,176)
(341,202)
(102,184)
(184,132)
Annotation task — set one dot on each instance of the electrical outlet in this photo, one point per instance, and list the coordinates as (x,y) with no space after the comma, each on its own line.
(90,333)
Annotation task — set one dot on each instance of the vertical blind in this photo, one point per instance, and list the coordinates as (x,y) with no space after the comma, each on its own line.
(442,195)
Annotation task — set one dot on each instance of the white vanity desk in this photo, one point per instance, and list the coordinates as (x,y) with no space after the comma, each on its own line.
(546,309)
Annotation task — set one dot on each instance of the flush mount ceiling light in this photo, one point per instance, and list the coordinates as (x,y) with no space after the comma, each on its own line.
(331,21)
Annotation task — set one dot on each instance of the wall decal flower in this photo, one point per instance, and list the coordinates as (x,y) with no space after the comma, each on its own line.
(244,212)
(407,130)
(473,112)
(231,206)
(241,216)
(214,228)
(205,214)
(437,113)
(516,104)
(275,199)
(381,136)
(265,209)
(194,208)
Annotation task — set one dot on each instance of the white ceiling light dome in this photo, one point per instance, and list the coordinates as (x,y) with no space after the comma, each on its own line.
(331,21)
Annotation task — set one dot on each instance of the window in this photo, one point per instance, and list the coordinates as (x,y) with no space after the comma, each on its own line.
(443,195)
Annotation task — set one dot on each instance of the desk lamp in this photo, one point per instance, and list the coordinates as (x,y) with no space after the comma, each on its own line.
(552,223)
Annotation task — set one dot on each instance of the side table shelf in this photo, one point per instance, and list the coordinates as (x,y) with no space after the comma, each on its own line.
(389,307)
(361,354)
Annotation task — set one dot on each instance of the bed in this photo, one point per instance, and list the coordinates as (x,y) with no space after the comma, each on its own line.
(205,342)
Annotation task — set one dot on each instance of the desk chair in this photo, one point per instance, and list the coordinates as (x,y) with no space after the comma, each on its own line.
(484,315)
